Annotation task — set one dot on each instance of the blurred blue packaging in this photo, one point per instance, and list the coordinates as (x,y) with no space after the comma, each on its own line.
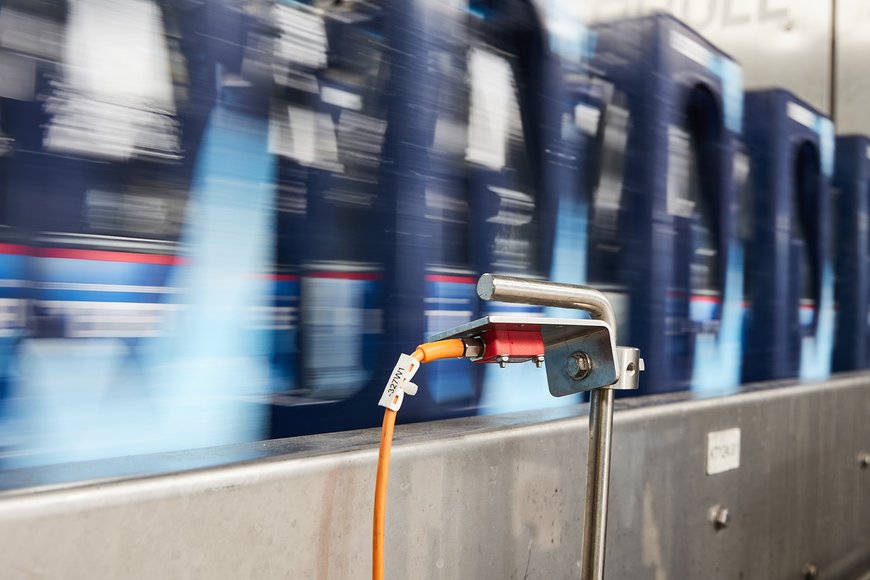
(528,215)
(431,283)
(851,200)
(223,220)
(139,186)
(665,237)
(790,263)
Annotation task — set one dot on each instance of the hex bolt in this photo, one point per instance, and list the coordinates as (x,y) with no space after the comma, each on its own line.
(502,360)
(539,360)
(864,460)
(720,516)
(578,365)
(810,572)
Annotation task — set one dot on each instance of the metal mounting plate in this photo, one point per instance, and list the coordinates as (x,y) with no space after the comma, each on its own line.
(562,338)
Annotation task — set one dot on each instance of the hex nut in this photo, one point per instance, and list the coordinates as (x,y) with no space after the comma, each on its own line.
(578,365)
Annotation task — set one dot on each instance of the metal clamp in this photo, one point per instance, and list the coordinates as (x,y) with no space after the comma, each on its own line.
(628,367)
(580,355)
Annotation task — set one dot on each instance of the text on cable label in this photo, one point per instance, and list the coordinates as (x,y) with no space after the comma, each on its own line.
(400,382)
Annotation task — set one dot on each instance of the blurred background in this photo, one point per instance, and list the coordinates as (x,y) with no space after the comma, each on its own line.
(222,220)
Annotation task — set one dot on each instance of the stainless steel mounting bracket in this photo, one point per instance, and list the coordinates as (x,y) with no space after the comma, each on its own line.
(580,355)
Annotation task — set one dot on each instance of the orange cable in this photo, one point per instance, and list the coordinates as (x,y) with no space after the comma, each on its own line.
(428,352)
(381,494)
(451,348)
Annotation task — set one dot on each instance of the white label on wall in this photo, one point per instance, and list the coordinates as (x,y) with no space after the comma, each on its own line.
(723,451)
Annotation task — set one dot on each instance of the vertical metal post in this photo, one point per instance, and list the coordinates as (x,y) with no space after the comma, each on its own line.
(509,289)
(597,484)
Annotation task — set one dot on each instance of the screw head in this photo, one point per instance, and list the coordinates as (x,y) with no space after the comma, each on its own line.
(502,360)
(864,460)
(539,360)
(720,516)
(578,365)
(810,572)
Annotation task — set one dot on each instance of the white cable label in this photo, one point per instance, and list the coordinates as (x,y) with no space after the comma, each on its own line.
(400,383)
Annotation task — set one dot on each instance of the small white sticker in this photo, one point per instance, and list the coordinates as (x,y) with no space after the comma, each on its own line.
(679,201)
(691,49)
(301,39)
(586,118)
(801,114)
(723,451)
(493,103)
(340,98)
(400,383)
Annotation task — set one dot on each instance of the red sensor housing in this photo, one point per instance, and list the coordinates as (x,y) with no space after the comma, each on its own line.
(518,345)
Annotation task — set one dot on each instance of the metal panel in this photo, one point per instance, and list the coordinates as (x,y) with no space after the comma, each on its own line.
(489,497)
(780,43)
(852,90)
